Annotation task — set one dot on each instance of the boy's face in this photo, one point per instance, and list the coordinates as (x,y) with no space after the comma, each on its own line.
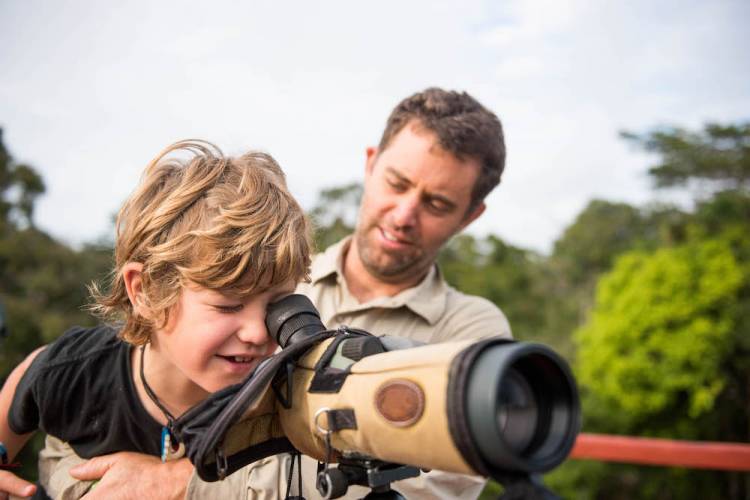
(216,340)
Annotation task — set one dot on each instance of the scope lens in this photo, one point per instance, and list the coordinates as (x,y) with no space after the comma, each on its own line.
(522,407)
(517,411)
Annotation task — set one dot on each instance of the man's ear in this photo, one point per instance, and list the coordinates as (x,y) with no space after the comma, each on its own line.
(372,155)
(132,276)
(473,215)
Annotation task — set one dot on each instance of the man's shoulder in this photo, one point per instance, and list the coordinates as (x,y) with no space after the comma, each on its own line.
(472,316)
(457,302)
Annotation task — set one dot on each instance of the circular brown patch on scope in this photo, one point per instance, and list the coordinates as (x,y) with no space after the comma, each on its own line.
(400,402)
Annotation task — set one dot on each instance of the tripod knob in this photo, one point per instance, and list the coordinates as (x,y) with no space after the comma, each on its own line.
(332,483)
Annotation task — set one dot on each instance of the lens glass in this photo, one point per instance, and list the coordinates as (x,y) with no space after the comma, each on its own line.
(517,411)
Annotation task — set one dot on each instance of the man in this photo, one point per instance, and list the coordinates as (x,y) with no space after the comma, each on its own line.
(440,155)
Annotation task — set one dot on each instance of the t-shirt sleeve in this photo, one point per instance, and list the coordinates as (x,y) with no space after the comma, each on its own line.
(47,394)
(23,416)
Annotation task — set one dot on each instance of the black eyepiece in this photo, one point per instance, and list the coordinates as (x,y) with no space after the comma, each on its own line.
(292,319)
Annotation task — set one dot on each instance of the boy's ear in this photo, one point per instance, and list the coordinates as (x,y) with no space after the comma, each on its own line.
(132,276)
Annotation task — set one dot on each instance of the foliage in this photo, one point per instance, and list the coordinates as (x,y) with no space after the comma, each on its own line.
(19,187)
(717,158)
(660,331)
(666,349)
(335,213)
(599,233)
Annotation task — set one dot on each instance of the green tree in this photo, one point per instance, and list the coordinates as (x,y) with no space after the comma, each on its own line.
(659,334)
(655,357)
(599,233)
(716,158)
(20,185)
(335,213)
(666,349)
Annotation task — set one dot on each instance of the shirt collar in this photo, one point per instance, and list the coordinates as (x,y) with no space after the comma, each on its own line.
(426,299)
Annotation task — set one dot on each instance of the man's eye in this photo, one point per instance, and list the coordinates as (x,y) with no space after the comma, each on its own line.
(438,207)
(233,308)
(397,186)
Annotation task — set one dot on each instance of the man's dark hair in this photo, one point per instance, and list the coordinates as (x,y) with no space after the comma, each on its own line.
(463,127)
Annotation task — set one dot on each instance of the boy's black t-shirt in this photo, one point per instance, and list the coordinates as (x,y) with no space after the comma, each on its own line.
(80,390)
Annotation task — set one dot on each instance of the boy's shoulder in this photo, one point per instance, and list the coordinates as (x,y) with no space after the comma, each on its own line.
(70,382)
(80,343)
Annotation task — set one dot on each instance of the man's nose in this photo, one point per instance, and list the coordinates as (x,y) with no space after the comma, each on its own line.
(406,211)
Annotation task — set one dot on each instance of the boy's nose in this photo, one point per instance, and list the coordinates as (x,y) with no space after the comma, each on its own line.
(254,332)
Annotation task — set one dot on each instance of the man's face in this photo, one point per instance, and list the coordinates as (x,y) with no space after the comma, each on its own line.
(416,197)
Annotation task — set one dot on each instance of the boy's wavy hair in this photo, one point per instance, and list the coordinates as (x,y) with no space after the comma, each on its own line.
(226,224)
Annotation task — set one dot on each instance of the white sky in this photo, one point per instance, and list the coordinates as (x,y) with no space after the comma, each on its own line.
(90,91)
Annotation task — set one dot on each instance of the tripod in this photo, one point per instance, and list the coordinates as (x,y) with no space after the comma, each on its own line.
(374,474)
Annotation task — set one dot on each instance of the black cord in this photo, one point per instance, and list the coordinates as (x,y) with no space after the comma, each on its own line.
(299,473)
(170,418)
(289,477)
(298,457)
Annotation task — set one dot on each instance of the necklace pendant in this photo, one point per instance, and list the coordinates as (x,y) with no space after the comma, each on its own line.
(171,449)
(166,443)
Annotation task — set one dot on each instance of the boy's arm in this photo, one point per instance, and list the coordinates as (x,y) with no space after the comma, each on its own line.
(9,483)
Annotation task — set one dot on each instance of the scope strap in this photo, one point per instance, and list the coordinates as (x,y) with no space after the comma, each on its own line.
(341,419)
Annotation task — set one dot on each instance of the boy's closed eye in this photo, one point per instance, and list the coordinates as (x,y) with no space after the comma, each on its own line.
(228,308)
(231,305)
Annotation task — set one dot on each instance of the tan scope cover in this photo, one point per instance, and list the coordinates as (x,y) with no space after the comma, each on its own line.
(425,443)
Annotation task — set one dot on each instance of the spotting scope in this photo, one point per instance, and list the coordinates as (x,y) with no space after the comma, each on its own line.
(493,407)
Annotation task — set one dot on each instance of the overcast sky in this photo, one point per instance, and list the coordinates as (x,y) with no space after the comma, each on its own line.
(91,91)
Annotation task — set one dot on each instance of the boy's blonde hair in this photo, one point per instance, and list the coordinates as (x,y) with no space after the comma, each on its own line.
(226,224)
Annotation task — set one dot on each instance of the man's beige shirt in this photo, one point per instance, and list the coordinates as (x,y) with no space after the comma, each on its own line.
(430,312)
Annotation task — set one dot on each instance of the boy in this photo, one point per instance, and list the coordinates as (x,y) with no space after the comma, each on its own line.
(203,245)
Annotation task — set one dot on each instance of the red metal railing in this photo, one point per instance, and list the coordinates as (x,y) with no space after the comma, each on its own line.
(663,452)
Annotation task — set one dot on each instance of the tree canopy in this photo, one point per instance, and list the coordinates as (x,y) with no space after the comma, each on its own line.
(717,158)
(19,186)
(660,332)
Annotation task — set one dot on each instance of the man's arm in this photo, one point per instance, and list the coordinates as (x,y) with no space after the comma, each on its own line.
(9,482)
(160,481)
(115,474)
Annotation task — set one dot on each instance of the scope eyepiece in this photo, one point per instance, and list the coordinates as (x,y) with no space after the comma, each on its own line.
(292,319)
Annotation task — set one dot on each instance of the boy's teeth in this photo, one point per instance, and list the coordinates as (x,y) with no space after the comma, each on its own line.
(240,359)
